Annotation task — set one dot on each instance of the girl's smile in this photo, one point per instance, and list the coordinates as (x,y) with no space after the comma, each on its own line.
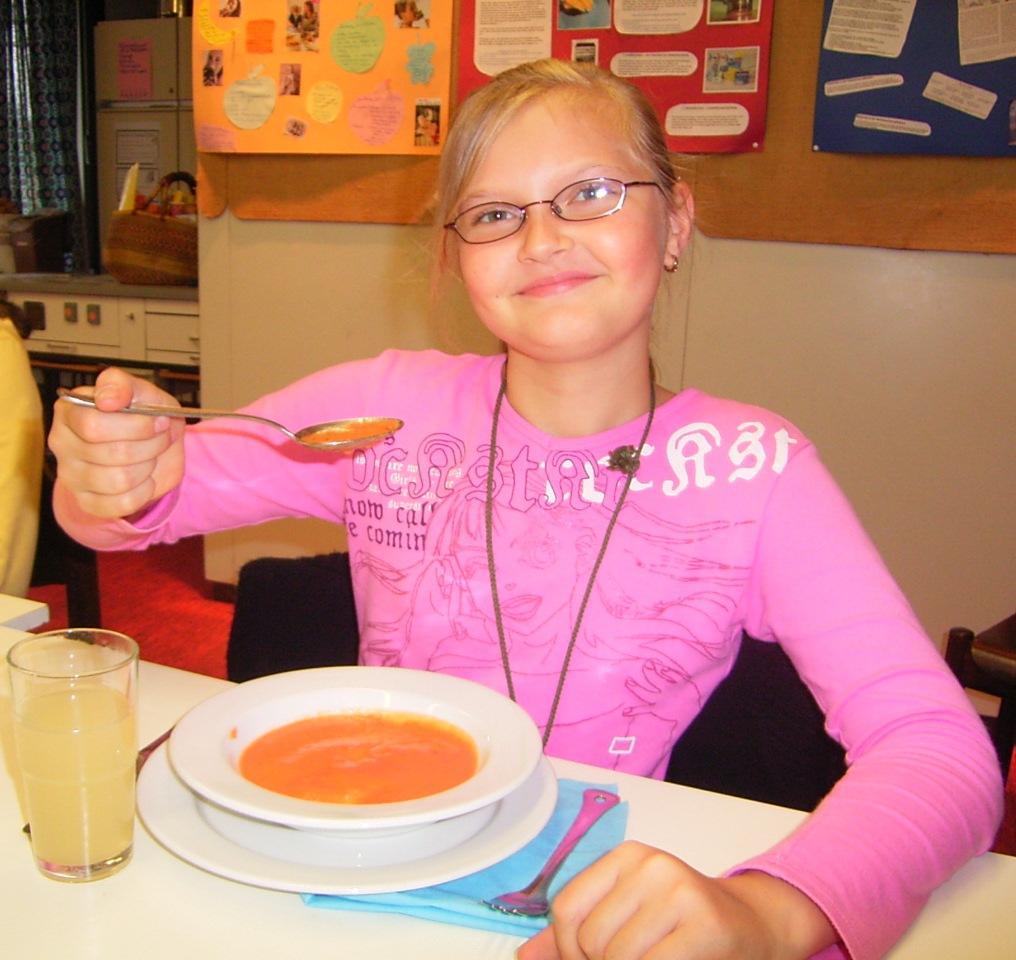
(558,283)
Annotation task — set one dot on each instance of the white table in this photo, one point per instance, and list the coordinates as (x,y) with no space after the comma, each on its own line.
(161,908)
(21,614)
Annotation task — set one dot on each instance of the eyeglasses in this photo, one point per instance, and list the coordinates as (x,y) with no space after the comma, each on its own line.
(585,200)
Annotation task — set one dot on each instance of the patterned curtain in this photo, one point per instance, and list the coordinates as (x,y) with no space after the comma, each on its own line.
(39,112)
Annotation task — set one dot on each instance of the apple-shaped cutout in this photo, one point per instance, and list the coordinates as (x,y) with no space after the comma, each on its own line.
(376,116)
(357,43)
(249,102)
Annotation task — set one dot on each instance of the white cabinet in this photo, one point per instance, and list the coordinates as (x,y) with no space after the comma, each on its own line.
(88,326)
(125,329)
(172,332)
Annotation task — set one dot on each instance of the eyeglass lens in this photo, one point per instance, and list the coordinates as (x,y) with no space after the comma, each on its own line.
(585,200)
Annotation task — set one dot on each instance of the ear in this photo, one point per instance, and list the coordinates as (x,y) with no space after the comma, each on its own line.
(681,219)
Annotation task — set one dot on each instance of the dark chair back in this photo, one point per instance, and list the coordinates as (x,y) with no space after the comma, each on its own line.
(760,735)
(292,613)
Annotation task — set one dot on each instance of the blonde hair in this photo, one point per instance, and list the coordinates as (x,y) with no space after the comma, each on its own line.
(485,113)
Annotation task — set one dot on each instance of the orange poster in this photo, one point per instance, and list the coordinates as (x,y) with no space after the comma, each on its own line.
(321,76)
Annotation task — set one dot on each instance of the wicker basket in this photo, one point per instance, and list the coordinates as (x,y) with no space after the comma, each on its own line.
(153,248)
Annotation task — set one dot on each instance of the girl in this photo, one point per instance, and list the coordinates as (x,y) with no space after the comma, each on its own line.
(554,524)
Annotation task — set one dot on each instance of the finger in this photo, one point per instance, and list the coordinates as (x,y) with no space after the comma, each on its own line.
(625,902)
(121,444)
(635,914)
(113,507)
(116,388)
(586,892)
(540,947)
(104,481)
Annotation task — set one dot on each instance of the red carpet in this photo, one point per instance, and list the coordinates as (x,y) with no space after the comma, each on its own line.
(161,599)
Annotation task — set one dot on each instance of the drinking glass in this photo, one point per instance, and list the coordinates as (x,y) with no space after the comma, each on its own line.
(74,699)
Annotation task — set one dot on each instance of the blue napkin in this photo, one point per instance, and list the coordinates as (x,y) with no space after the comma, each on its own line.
(461,901)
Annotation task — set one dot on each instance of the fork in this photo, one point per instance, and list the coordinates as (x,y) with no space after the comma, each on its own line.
(531,900)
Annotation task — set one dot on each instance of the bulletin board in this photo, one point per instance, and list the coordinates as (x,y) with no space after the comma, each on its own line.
(785,192)
(928,78)
(703,64)
(320,77)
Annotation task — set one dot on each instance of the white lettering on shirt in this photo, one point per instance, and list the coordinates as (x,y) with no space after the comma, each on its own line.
(687,449)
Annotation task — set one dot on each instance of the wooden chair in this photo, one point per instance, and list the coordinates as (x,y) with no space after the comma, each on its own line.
(986,662)
(760,735)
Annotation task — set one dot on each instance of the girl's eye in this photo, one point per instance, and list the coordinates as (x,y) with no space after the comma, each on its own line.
(490,215)
(591,192)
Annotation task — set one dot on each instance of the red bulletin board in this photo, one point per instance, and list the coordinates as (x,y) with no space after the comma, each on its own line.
(704,64)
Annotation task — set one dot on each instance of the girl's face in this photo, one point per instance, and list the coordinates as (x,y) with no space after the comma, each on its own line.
(561,291)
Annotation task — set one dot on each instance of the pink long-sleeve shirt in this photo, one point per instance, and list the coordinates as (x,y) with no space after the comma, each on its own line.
(732,523)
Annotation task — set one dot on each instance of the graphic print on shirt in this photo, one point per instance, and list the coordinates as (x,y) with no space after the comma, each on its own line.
(660,624)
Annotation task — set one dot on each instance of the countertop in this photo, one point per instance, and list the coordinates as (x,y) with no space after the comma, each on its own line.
(83,284)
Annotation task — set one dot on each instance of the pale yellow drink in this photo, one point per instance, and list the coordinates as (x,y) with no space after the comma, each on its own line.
(77,753)
(74,707)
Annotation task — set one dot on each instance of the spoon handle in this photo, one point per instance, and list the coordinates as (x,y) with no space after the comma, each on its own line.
(186,413)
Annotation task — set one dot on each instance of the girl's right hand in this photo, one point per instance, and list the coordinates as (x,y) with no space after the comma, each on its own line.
(116,465)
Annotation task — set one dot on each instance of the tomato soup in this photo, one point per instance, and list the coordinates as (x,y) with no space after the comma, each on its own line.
(377,757)
(353,430)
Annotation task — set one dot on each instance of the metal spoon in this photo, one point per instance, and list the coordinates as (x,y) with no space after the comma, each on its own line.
(531,900)
(332,435)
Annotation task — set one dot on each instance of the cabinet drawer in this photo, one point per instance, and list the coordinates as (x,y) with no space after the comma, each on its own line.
(177,332)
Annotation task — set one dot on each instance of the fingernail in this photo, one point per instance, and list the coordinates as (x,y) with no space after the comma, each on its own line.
(161,424)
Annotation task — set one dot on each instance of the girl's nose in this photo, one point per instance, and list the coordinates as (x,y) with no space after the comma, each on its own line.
(543,234)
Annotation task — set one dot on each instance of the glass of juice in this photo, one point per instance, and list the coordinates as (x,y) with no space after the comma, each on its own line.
(74,700)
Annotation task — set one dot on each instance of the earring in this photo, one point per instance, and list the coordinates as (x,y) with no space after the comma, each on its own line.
(672,266)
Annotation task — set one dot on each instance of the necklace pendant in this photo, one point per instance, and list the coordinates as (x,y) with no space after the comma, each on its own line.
(625,459)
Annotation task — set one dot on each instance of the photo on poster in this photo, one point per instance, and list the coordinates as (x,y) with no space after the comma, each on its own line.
(412,14)
(731,70)
(733,11)
(230,8)
(585,51)
(289,79)
(427,125)
(583,14)
(303,25)
(211,70)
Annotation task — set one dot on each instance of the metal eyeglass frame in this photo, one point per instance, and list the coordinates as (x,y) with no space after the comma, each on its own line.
(552,202)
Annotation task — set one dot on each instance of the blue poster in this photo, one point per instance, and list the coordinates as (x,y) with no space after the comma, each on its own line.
(921,77)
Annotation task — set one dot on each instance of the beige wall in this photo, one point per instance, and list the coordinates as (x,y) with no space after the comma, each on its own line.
(893,362)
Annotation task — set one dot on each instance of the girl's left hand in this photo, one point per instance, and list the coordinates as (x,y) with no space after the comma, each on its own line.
(639,903)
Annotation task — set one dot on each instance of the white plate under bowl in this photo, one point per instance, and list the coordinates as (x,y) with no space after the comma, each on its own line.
(172,814)
(206,743)
(332,848)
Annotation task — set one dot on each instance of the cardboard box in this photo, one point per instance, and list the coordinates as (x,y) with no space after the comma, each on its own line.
(39,241)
